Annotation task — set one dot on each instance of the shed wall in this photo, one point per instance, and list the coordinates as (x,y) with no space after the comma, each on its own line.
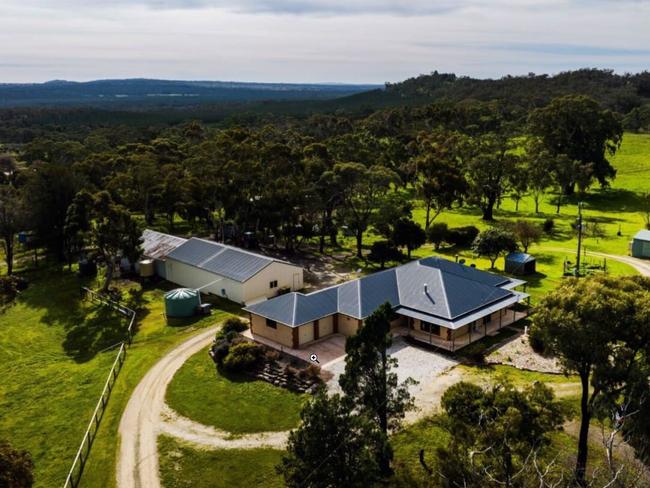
(259,285)
(192,277)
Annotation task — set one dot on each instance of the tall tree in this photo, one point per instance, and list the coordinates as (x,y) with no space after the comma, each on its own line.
(78,224)
(579,128)
(493,243)
(331,447)
(114,234)
(440,181)
(495,432)
(49,191)
(489,165)
(408,234)
(363,189)
(527,233)
(598,327)
(371,384)
(538,168)
(12,220)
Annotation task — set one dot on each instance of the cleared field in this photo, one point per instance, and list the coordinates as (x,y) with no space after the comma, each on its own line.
(232,403)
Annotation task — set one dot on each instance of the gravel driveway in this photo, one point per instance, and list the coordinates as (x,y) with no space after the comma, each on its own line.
(421,364)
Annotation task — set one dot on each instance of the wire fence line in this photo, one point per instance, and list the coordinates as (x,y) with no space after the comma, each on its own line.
(76,470)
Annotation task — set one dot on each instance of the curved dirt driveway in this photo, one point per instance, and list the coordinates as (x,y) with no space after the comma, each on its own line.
(137,465)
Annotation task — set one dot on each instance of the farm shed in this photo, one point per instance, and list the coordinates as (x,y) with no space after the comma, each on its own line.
(640,246)
(227,271)
(156,246)
(520,263)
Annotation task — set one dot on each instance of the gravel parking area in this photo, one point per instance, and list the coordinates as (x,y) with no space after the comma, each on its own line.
(421,364)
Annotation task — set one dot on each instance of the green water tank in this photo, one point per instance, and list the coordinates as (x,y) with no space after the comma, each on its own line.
(182,302)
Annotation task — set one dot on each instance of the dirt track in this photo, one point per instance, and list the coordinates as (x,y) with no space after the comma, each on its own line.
(137,465)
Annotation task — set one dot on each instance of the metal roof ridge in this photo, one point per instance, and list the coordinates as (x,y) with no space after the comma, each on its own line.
(245,251)
(444,291)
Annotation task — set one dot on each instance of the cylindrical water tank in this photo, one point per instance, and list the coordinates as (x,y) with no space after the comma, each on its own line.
(182,302)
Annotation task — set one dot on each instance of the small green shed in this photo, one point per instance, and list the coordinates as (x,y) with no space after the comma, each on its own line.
(640,246)
(182,302)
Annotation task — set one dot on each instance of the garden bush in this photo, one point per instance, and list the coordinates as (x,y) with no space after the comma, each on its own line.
(548,226)
(243,357)
(462,236)
(220,350)
(535,340)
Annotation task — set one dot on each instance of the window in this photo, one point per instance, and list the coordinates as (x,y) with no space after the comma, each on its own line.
(223,292)
(430,328)
(487,319)
(273,284)
(271,323)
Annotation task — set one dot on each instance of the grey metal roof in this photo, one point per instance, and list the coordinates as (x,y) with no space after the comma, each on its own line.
(157,245)
(453,291)
(519,257)
(228,261)
(642,235)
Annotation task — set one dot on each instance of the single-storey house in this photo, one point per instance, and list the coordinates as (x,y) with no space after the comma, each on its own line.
(640,245)
(156,246)
(227,271)
(436,301)
(520,263)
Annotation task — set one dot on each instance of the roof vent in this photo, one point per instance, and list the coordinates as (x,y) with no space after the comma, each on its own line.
(426,289)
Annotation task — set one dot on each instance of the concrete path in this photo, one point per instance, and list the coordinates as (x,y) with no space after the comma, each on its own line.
(137,465)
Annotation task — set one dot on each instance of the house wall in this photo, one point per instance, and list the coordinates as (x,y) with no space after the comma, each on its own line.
(306,333)
(348,326)
(259,285)
(160,268)
(193,277)
(325,326)
(283,334)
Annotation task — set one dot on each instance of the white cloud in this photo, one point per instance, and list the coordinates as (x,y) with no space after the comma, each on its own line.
(299,40)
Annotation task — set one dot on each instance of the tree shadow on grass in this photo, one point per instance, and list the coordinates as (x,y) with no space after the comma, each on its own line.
(58,294)
(102,329)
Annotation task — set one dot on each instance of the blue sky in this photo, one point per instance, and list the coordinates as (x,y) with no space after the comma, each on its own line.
(364,41)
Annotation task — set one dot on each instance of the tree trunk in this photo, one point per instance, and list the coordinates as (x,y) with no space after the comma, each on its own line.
(359,243)
(427,220)
(492,261)
(583,445)
(384,454)
(559,202)
(488,211)
(536,199)
(570,189)
(9,254)
(109,275)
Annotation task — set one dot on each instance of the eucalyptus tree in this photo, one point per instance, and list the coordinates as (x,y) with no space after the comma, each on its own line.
(599,329)
(363,189)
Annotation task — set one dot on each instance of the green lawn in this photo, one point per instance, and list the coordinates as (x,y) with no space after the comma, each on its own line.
(53,368)
(614,207)
(235,404)
(182,466)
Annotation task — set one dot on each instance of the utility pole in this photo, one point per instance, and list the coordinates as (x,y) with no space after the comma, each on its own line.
(577,272)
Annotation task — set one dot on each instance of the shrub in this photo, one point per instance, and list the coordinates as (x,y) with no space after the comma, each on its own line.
(243,357)
(234,324)
(462,236)
(8,289)
(219,351)
(548,226)
(437,234)
(536,341)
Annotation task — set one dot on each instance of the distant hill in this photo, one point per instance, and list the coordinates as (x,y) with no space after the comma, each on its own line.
(618,92)
(150,93)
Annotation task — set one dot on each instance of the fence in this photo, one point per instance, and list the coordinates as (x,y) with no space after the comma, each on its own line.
(74,475)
